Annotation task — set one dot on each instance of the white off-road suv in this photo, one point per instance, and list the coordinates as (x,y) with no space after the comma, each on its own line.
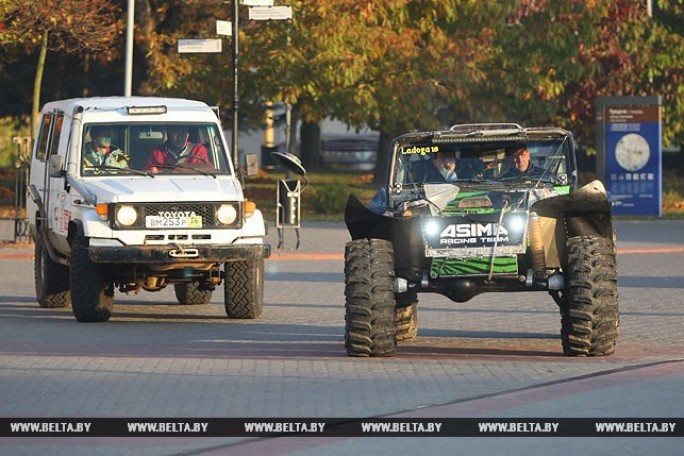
(144,213)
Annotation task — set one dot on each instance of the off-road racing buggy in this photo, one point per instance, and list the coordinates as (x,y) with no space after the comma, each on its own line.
(490,230)
(105,223)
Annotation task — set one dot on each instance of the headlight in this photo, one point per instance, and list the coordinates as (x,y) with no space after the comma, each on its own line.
(431,228)
(126,215)
(226,214)
(517,224)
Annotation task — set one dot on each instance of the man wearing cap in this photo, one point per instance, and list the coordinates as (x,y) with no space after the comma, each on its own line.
(521,165)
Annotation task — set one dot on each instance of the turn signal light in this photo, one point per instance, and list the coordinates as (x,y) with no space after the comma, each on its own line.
(102,210)
(250,207)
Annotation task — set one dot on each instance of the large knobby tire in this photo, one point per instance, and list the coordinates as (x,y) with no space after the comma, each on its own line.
(92,297)
(244,288)
(406,316)
(370,327)
(192,293)
(589,309)
(51,279)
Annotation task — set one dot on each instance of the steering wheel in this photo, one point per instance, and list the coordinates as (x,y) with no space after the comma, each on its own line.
(184,158)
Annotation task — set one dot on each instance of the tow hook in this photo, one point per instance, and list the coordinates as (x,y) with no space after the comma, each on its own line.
(179,252)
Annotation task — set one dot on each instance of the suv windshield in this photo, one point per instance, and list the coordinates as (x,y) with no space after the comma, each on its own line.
(153,148)
(427,162)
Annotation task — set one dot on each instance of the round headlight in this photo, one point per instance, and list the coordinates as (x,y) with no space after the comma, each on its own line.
(431,228)
(517,224)
(126,215)
(226,214)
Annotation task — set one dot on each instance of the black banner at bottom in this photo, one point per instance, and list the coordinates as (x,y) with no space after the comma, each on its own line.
(342,427)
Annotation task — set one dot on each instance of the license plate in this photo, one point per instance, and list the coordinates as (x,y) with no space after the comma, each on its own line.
(156,221)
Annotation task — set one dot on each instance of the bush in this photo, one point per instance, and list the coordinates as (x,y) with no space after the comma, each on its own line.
(330,199)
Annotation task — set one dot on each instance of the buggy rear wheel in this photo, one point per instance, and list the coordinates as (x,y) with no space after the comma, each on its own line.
(406,316)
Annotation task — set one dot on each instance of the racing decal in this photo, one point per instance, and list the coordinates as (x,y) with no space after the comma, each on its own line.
(468,230)
(62,215)
(66,218)
(417,150)
(453,267)
(465,232)
(545,193)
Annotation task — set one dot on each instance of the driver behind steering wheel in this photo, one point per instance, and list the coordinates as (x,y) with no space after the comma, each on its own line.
(177,150)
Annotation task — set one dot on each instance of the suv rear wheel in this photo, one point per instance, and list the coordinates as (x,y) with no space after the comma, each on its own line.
(192,293)
(370,320)
(589,308)
(92,297)
(51,279)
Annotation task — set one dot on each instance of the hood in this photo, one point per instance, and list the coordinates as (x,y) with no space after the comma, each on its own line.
(486,201)
(165,188)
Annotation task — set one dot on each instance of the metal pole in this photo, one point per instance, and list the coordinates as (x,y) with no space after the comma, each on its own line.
(128,83)
(236,97)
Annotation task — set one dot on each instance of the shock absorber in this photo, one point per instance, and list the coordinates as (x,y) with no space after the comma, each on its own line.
(536,244)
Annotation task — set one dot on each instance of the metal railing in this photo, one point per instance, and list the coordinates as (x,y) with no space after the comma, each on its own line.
(21,229)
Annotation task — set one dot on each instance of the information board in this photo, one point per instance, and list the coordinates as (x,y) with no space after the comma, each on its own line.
(633,158)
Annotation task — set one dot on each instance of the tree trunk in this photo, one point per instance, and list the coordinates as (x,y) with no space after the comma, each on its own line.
(292,146)
(382,163)
(310,133)
(37,83)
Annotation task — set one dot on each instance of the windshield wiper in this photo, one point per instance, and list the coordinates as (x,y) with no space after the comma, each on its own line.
(116,168)
(197,170)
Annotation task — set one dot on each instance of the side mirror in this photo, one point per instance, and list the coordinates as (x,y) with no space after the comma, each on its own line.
(290,162)
(56,166)
(251,164)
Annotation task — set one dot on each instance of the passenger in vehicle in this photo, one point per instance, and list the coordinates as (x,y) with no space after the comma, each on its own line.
(99,152)
(177,150)
(520,164)
(442,168)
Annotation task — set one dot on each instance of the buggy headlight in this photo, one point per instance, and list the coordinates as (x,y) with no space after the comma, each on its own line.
(517,223)
(126,215)
(431,228)
(226,214)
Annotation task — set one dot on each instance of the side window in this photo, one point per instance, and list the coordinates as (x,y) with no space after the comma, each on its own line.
(43,136)
(56,134)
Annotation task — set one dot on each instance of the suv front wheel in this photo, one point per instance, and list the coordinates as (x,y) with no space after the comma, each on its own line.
(244,288)
(92,297)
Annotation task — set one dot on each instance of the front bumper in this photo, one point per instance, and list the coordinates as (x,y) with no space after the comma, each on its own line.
(169,254)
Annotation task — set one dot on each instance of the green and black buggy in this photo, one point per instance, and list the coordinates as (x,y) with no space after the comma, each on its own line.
(492,229)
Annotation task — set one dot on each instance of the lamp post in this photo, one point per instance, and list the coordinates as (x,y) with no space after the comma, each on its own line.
(258,10)
(128,79)
(236,96)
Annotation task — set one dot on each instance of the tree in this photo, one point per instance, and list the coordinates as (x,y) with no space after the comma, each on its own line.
(399,65)
(558,56)
(66,26)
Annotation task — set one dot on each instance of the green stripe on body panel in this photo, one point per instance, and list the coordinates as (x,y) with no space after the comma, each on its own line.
(450,267)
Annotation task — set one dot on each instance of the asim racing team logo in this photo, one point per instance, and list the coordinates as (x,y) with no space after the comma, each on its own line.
(445,233)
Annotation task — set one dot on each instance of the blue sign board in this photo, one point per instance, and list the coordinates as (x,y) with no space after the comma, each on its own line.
(633,149)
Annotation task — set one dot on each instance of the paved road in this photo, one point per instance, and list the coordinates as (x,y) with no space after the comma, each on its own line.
(485,358)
